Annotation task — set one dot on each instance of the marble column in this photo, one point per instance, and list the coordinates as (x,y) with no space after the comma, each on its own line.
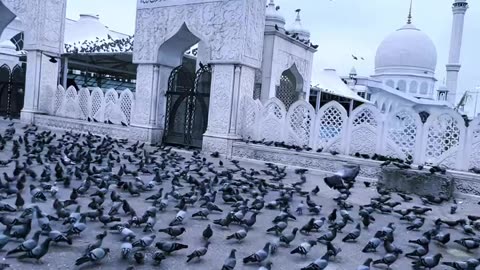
(230,83)
(44,23)
(148,119)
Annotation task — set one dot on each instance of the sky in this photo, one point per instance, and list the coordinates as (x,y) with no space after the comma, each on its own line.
(344,27)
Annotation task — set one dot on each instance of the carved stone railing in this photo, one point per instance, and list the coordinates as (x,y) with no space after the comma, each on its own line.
(443,139)
(94,105)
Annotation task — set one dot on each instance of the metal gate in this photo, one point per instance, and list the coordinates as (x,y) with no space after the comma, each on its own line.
(188,99)
(12,91)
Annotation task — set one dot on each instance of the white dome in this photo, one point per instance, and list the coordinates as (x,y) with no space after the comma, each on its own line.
(407,50)
(298,28)
(88,27)
(273,16)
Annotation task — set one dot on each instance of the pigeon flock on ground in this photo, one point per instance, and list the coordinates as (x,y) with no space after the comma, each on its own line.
(114,202)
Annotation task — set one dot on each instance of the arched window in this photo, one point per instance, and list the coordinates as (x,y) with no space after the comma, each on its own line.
(291,85)
(17,40)
(424,88)
(402,86)
(413,87)
(391,83)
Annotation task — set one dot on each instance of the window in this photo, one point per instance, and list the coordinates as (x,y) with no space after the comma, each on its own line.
(413,87)
(402,86)
(286,91)
(424,88)
(391,83)
(17,40)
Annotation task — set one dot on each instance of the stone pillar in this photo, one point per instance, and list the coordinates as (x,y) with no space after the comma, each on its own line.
(230,83)
(44,23)
(148,117)
(41,82)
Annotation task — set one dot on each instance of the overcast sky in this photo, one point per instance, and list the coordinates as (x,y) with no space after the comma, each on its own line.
(343,28)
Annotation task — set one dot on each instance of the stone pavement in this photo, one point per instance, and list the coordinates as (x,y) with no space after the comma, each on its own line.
(62,256)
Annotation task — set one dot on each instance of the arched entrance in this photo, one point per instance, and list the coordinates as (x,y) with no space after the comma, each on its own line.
(290,87)
(12,85)
(230,34)
(188,97)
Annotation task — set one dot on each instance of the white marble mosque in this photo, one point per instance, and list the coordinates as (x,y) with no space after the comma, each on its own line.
(246,77)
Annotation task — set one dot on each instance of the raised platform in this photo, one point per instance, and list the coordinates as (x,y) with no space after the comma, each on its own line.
(464,182)
(420,182)
(115,131)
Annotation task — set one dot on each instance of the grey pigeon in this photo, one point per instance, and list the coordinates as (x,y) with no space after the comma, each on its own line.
(231,261)
(95,256)
(319,264)
(198,252)
(258,256)
(238,235)
(38,252)
(365,265)
(304,248)
(428,262)
(145,241)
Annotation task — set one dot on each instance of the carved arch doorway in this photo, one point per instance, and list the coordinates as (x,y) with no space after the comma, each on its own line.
(290,88)
(12,91)
(188,97)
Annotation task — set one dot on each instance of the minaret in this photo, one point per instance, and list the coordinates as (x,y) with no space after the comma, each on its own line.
(453,67)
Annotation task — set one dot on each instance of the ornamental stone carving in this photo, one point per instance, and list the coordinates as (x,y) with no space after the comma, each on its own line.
(232,30)
(44,22)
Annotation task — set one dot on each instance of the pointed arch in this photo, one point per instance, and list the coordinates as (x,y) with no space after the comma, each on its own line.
(330,126)
(364,130)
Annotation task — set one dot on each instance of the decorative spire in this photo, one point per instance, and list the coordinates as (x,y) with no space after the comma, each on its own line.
(409,21)
(298,15)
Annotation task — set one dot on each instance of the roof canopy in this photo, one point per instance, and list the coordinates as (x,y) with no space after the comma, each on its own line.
(113,63)
(330,82)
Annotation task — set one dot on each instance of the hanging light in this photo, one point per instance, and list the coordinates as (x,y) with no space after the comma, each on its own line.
(53,60)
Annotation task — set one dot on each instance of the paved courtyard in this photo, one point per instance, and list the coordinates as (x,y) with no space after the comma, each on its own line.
(62,256)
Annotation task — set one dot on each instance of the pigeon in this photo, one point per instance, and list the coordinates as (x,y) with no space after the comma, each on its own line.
(442,238)
(428,262)
(38,252)
(469,244)
(174,232)
(231,261)
(170,247)
(288,238)
(420,251)
(59,237)
(318,264)
(238,235)
(158,257)
(366,264)
(470,264)
(258,256)
(207,233)
(353,235)
(4,240)
(126,249)
(198,253)
(388,259)
(94,256)
(139,257)
(27,245)
(144,242)
(304,248)
(328,236)
(372,245)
